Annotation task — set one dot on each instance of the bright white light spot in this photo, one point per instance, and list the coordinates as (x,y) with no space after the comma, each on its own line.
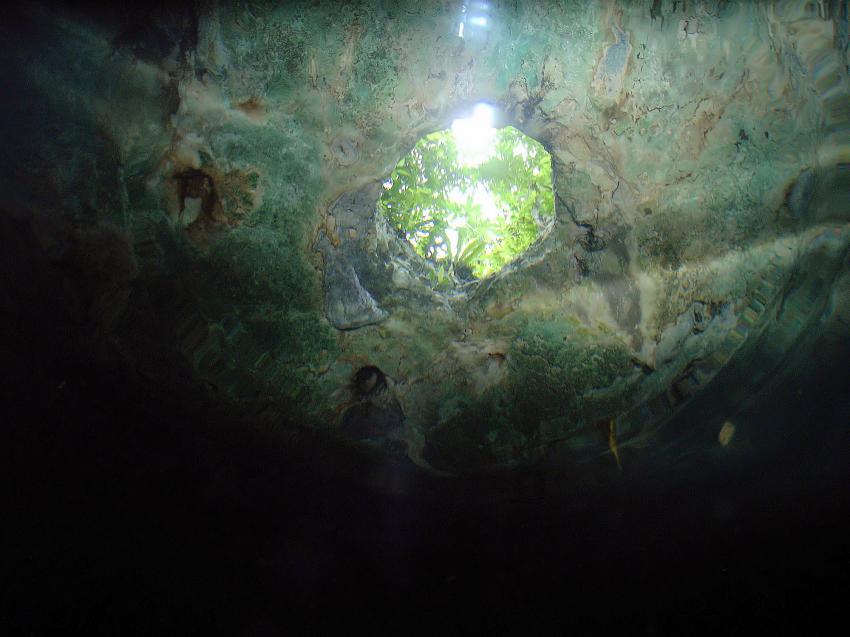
(521,150)
(460,30)
(481,196)
(475,136)
(478,21)
(452,235)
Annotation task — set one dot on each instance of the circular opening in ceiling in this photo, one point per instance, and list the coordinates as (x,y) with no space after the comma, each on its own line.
(471,198)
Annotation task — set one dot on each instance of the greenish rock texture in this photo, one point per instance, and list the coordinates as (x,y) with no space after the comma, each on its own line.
(213,180)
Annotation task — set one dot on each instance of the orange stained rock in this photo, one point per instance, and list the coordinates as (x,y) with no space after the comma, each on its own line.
(609,429)
(727,432)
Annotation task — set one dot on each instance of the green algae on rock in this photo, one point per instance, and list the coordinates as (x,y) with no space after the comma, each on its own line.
(698,163)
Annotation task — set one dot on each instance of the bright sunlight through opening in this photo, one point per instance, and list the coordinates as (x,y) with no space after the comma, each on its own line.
(475,136)
(470,199)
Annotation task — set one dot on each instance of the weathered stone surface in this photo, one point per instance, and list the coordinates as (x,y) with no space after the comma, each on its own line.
(235,156)
(348,305)
(611,70)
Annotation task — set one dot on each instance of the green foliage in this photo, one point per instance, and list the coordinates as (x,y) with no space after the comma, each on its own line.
(430,201)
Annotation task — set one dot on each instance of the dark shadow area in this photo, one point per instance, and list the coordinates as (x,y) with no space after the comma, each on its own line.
(138,508)
(137,502)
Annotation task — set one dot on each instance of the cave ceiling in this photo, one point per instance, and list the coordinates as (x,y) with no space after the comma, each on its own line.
(211,176)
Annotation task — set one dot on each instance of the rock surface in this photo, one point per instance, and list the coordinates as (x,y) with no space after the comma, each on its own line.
(223,165)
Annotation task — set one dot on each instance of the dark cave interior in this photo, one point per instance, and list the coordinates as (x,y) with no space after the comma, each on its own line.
(143,511)
(172,480)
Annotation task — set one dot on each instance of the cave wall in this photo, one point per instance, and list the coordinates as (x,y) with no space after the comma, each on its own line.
(202,185)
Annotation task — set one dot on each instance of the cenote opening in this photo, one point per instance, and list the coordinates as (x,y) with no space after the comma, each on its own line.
(471,198)
(293,342)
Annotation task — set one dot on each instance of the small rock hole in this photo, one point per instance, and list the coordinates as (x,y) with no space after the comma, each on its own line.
(368,381)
